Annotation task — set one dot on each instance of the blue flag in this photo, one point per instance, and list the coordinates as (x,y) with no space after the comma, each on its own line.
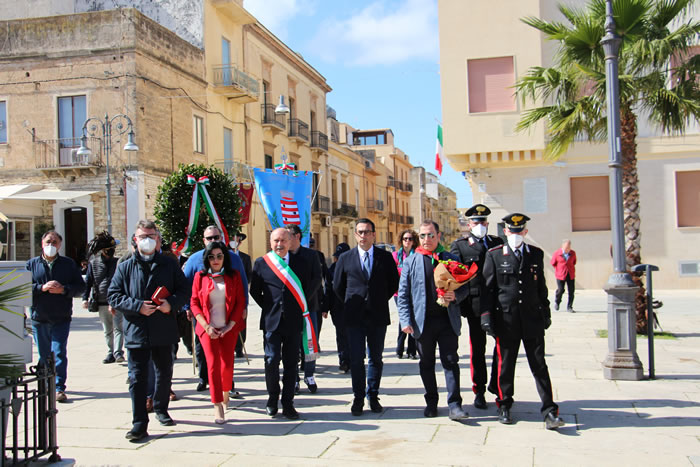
(286,198)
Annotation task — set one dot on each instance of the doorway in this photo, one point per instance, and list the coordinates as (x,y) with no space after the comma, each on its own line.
(75,241)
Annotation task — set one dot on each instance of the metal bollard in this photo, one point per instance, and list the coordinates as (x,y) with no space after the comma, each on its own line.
(648,268)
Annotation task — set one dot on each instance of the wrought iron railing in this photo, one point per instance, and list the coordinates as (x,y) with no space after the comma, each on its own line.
(269,117)
(408,187)
(345,210)
(409,220)
(230,75)
(298,129)
(322,204)
(28,418)
(319,140)
(63,153)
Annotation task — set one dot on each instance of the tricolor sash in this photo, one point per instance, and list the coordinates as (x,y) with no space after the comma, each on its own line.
(293,284)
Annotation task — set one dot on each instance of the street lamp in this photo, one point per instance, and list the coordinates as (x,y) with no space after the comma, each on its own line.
(622,361)
(282,108)
(106,127)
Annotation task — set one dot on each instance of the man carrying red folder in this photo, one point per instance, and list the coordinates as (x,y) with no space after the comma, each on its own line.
(146,288)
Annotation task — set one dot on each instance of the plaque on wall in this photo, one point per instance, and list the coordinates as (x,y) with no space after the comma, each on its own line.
(535,195)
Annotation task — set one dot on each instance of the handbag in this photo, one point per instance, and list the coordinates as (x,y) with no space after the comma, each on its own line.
(93,306)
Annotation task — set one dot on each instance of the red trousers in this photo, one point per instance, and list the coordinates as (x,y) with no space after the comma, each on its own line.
(219,354)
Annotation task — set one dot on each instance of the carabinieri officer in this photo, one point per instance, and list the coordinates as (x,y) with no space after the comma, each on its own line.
(517,309)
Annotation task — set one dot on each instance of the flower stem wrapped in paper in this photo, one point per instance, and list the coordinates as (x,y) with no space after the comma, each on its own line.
(450,275)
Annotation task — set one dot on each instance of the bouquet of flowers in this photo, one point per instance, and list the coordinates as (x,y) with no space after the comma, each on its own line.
(450,275)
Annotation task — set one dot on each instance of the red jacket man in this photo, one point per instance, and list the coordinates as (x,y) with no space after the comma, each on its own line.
(564,262)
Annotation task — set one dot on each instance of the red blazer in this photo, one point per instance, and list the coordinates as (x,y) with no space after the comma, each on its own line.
(562,266)
(235,299)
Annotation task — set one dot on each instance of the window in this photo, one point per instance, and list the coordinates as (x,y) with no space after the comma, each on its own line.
(228,150)
(226,61)
(688,198)
(369,139)
(72,114)
(590,203)
(490,82)
(268,161)
(3,122)
(198,134)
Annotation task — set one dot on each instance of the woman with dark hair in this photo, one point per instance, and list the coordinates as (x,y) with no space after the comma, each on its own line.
(409,242)
(218,303)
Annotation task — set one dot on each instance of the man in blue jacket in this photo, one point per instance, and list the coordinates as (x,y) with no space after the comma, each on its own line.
(430,323)
(150,330)
(56,280)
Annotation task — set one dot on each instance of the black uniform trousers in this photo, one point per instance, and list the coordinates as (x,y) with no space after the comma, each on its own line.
(503,385)
(281,346)
(139,361)
(569,282)
(438,331)
(477,351)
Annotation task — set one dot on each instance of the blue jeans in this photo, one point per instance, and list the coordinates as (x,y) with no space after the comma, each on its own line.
(368,337)
(53,337)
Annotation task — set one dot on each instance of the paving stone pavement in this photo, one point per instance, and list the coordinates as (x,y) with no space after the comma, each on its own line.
(650,422)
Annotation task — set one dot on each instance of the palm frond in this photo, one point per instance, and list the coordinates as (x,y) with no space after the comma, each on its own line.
(554,30)
(664,12)
(10,366)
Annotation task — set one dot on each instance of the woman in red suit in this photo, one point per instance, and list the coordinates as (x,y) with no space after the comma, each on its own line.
(218,304)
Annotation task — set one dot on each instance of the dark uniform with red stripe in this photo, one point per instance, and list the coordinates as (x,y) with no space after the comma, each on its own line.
(518,308)
(473,250)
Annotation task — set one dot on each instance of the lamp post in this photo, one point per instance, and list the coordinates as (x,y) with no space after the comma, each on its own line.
(106,126)
(622,361)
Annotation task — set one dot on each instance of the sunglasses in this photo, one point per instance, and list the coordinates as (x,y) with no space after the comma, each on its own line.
(407,239)
(429,235)
(213,238)
(217,257)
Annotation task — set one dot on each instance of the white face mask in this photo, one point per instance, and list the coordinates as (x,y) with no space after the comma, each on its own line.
(233,244)
(479,230)
(50,251)
(514,241)
(147,245)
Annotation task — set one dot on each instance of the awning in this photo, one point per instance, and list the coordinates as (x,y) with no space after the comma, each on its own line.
(38,192)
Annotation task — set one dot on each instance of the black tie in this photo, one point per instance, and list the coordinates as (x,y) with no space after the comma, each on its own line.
(518,255)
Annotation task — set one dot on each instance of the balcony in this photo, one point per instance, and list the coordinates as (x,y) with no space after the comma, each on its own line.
(345,210)
(234,83)
(322,205)
(408,187)
(62,155)
(271,120)
(299,130)
(409,220)
(319,141)
(375,205)
(393,217)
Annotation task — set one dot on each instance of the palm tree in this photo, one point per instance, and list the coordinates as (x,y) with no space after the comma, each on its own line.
(658,81)
(10,364)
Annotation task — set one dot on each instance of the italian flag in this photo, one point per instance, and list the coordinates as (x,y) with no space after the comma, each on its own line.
(439,155)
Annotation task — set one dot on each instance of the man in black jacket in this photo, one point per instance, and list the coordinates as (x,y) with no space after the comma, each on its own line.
(100,271)
(517,309)
(472,249)
(365,279)
(312,298)
(277,292)
(235,244)
(150,329)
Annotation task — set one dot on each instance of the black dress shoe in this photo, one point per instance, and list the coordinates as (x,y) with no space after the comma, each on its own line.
(556,307)
(134,436)
(374,405)
(165,419)
(458,413)
(296,388)
(201,386)
(344,367)
(290,412)
(552,422)
(480,401)
(570,310)
(399,356)
(109,359)
(430,412)
(413,357)
(504,416)
(310,382)
(357,406)
(271,410)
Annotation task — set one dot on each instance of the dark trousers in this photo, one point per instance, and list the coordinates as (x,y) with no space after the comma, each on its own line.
(139,361)
(201,361)
(560,291)
(477,354)
(504,387)
(370,338)
(241,339)
(438,331)
(281,346)
(401,341)
(341,341)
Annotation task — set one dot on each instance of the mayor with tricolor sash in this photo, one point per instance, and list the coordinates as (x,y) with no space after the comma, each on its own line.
(278,285)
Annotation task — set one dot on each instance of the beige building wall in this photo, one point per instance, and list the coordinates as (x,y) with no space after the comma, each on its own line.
(506,171)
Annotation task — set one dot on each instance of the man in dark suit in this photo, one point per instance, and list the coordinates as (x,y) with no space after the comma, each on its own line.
(235,243)
(472,249)
(517,309)
(312,299)
(335,306)
(365,279)
(281,319)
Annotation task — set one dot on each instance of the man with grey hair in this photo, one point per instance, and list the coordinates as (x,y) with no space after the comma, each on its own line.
(149,288)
